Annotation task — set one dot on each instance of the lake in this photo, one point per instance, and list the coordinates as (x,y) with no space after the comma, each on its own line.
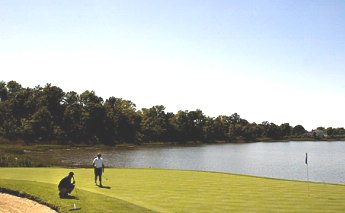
(326,160)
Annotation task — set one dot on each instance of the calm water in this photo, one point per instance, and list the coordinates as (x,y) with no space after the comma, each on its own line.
(326,160)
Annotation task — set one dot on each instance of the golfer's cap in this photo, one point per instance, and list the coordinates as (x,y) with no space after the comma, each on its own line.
(99,154)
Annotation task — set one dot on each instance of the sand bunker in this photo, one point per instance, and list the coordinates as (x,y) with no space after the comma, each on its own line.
(14,204)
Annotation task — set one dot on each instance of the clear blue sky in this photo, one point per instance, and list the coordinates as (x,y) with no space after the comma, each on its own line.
(277,61)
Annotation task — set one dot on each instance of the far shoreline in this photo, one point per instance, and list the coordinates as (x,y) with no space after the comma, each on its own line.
(239,140)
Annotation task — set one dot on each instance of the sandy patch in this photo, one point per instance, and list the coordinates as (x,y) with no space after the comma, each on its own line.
(14,204)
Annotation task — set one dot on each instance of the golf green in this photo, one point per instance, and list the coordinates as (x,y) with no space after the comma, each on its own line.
(159,190)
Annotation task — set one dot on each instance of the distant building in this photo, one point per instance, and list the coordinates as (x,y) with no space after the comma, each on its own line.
(318,133)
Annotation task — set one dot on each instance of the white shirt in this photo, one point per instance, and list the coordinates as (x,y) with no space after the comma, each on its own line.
(98,162)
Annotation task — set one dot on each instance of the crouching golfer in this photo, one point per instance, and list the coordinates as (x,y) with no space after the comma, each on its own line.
(99,168)
(66,186)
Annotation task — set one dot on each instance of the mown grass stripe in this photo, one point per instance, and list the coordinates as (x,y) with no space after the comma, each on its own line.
(47,194)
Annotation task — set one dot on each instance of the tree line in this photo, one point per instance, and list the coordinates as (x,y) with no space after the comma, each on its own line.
(50,114)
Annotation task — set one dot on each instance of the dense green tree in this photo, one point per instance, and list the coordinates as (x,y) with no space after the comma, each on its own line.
(13,88)
(154,124)
(339,131)
(123,115)
(285,129)
(52,98)
(197,121)
(181,124)
(235,118)
(111,121)
(265,128)
(93,116)
(41,124)
(189,125)
(171,128)
(217,128)
(236,125)
(273,131)
(3,91)
(209,130)
(72,125)
(298,130)
(49,113)
(251,131)
(330,131)
(9,127)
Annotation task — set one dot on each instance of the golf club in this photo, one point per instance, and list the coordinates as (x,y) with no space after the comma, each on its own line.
(74,208)
(74,205)
(75,188)
(105,177)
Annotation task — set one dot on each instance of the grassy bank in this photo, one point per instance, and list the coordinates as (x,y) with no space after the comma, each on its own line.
(142,190)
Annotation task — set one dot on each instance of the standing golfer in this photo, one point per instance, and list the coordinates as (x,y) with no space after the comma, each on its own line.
(99,168)
(66,186)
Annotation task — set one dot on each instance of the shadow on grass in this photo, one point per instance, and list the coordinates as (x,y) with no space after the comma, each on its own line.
(70,197)
(104,187)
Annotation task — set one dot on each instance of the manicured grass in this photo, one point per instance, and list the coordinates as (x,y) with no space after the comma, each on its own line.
(140,190)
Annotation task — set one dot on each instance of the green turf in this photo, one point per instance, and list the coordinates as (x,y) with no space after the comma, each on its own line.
(140,190)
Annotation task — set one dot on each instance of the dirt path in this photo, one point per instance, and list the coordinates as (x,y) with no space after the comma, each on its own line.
(14,204)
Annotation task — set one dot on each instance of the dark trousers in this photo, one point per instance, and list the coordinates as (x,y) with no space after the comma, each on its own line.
(66,189)
(98,172)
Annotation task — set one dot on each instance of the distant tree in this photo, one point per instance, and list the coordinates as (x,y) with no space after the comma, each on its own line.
(13,88)
(223,126)
(154,124)
(12,109)
(265,128)
(71,98)
(321,128)
(52,97)
(72,125)
(197,120)
(273,131)
(189,125)
(330,131)
(298,130)
(112,120)
(3,91)
(216,128)
(42,124)
(171,128)
(181,125)
(339,131)
(252,131)
(237,126)
(209,129)
(49,113)
(235,118)
(93,116)
(21,107)
(9,127)
(126,120)
(285,129)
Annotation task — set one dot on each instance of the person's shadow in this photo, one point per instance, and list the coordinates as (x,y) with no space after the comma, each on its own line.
(104,187)
(68,197)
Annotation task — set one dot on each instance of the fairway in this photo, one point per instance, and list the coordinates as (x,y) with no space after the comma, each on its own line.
(159,190)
